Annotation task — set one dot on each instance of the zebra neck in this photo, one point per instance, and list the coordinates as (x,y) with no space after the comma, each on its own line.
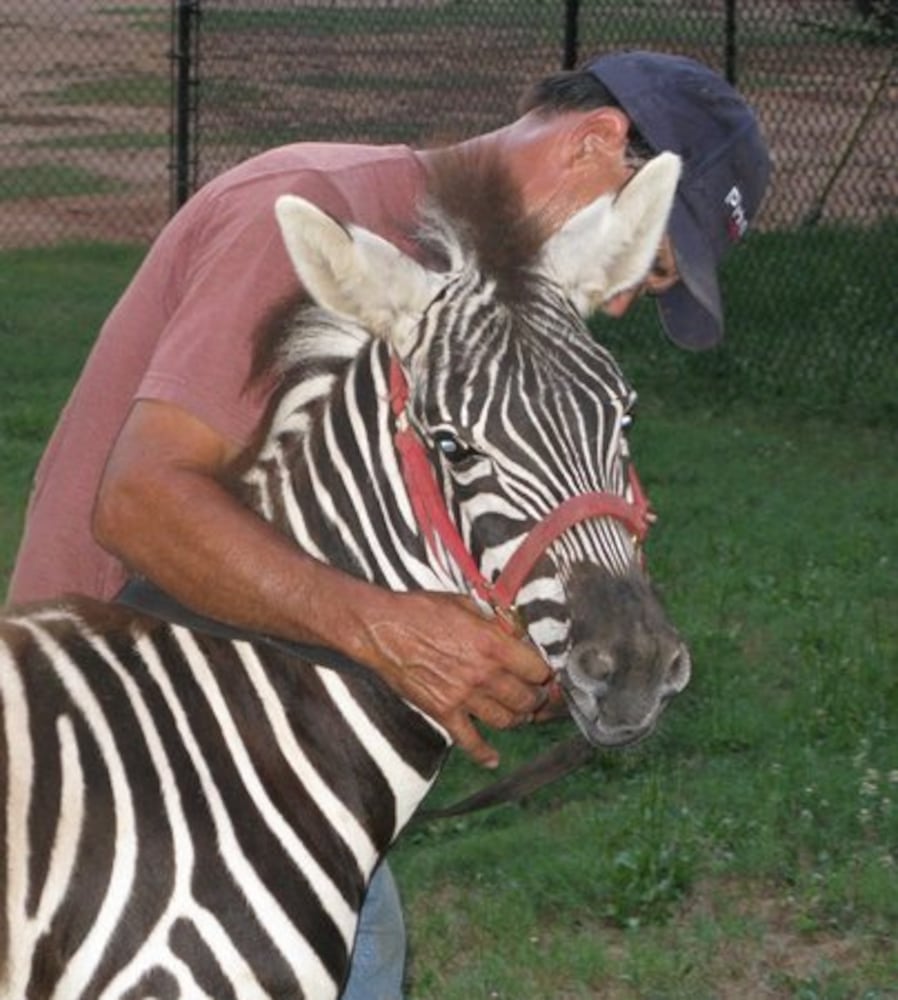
(329,476)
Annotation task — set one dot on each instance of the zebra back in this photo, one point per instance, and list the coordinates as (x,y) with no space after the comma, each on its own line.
(189,811)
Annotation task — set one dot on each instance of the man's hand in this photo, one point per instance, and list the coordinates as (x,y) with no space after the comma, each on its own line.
(442,654)
(163,511)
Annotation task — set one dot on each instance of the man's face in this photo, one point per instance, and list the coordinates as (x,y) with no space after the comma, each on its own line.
(573,158)
(663,275)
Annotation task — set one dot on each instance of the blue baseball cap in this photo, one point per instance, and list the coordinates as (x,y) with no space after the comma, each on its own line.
(679,104)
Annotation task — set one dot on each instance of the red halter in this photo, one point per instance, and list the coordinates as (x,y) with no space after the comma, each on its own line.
(434,521)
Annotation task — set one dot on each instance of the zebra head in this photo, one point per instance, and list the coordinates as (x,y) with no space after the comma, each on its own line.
(518,409)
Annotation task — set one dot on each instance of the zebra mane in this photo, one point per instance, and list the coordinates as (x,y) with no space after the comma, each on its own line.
(472,215)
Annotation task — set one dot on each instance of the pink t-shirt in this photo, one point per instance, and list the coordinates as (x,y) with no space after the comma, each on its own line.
(183,333)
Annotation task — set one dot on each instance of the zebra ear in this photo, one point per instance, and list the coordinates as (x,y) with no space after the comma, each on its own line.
(354,272)
(609,246)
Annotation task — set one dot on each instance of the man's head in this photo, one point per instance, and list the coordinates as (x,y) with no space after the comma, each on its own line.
(674,103)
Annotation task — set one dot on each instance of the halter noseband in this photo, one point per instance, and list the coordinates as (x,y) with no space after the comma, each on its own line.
(434,521)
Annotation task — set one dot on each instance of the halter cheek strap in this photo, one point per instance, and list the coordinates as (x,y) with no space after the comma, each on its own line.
(437,527)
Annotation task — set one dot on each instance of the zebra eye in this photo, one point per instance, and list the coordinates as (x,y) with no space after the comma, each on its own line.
(450,447)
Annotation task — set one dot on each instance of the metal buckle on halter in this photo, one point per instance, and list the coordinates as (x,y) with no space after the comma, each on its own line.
(510,619)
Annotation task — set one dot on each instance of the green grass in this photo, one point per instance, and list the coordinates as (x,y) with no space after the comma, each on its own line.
(53,302)
(374,82)
(104,140)
(650,22)
(48,180)
(750,847)
(324,21)
(773,783)
(810,317)
(138,91)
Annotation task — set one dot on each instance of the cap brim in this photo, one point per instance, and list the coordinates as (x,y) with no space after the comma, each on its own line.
(692,311)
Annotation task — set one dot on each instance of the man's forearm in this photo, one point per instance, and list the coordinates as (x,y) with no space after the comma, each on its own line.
(193,539)
(163,511)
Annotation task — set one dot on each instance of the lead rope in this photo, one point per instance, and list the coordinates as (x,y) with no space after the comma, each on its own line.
(543,769)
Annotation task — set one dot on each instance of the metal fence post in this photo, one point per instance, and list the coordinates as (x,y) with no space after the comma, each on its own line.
(729,53)
(571,33)
(184,53)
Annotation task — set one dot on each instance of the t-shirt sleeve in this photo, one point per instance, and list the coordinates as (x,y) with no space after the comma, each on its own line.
(233,276)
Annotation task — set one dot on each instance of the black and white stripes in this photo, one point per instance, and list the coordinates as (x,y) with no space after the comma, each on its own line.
(190,817)
(190,808)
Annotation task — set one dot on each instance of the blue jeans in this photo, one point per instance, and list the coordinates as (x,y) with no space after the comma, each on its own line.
(378,958)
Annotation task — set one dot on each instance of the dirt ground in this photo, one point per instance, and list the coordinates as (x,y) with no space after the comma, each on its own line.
(82,79)
(46,49)
(762,955)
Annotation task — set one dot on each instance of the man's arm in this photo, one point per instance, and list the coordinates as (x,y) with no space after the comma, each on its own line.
(162,510)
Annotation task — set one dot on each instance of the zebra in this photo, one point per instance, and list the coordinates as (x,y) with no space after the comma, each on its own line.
(191,815)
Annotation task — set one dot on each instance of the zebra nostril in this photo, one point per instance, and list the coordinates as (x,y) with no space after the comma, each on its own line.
(679,670)
(591,666)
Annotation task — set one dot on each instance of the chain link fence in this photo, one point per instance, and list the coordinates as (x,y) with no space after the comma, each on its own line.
(112,114)
(818,71)
(85,116)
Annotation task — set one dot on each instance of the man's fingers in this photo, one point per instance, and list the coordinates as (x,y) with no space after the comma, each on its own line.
(506,691)
(523,660)
(518,656)
(467,738)
(496,714)
(554,705)
(457,665)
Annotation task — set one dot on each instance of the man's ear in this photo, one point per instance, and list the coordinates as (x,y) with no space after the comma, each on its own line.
(600,131)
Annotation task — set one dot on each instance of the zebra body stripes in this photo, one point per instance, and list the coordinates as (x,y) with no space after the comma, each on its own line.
(189,817)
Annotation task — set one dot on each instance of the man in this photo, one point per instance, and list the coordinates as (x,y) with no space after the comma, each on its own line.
(130,480)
